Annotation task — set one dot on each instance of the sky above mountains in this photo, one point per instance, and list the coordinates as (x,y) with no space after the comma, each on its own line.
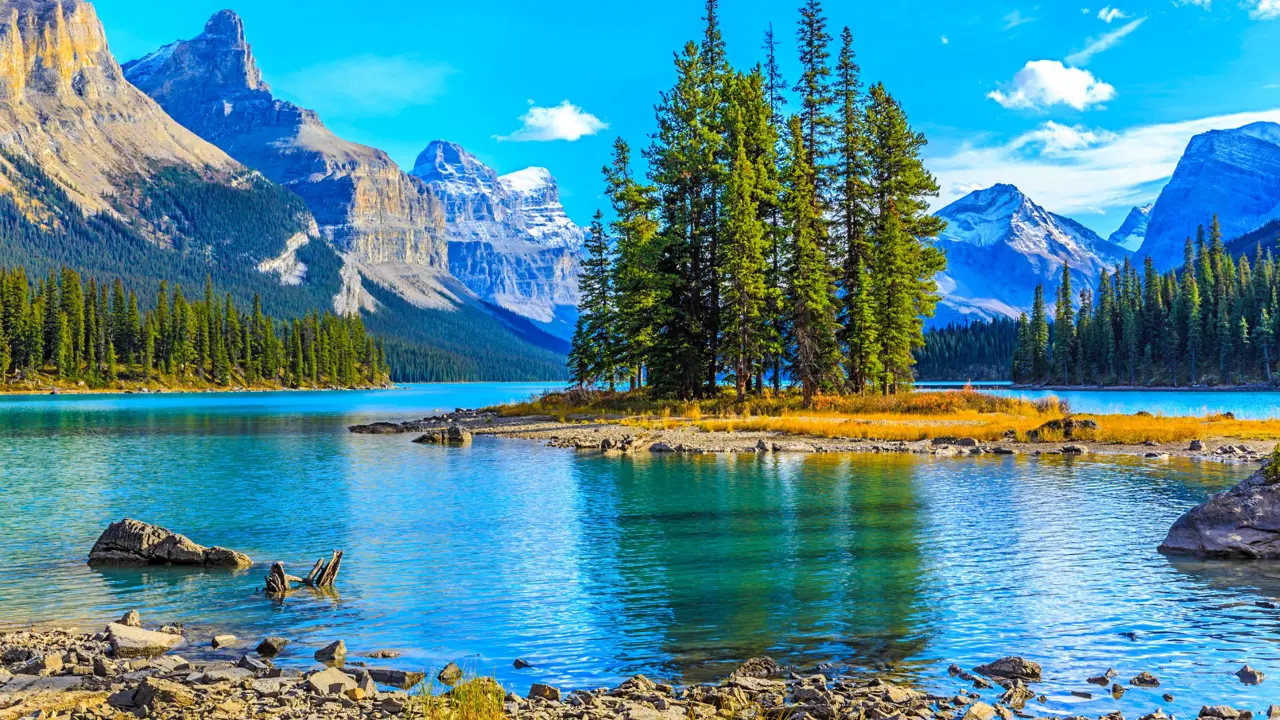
(1086,108)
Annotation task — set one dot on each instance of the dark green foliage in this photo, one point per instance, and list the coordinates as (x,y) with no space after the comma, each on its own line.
(1212,322)
(743,259)
(69,329)
(979,350)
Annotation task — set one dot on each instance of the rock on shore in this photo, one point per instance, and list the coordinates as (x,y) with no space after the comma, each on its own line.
(1243,522)
(131,542)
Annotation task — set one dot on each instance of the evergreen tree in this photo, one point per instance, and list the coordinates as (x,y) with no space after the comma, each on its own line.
(744,274)
(1039,335)
(814,351)
(1063,327)
(593,355)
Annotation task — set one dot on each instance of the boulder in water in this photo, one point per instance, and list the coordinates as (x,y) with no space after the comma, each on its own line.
(134,543)
(1243,522)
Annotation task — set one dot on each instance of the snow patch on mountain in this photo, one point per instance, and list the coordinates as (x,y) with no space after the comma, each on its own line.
(1133,230)
(510,240)
(1232,173)
(1000,245)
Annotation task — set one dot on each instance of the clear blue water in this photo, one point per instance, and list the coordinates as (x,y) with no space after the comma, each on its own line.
(596,568)
(1246,404)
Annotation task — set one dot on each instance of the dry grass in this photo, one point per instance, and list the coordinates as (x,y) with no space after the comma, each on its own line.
(475,697)
(908,416)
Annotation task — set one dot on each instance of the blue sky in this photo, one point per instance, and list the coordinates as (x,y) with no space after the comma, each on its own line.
(1085,106)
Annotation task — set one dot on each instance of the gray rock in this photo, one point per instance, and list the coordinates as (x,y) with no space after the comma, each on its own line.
(520,664)
(331,681)
(335,653)
(378,428)
(452,435)
(450,674)
(1145,679)
(395,678)
(132,642)
(1013,668)
(253,665)
(154,691)
(1243,522)
(135,543)
(544,692)
(221,641)
(1249,676)
(272,646)
(1196,446)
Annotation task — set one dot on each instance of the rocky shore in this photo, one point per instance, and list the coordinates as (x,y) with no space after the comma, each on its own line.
(125,672)
(612,437)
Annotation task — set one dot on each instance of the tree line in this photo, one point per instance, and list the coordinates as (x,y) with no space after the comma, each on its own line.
(78,331)
(761,246)
(977,350)
(1212,321)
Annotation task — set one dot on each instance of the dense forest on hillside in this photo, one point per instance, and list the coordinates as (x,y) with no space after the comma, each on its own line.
(978,350)
(62,327)
(192,229)
(763,244)
(1213,321)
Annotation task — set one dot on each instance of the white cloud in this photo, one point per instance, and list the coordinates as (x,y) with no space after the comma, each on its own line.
(367,84)
(1108,13)
(1055,139)
(1076,170)
(1265,9)
(1106,42)
(565,121)
(1206,4)
(1016,18)
(1044,83)
(945,40)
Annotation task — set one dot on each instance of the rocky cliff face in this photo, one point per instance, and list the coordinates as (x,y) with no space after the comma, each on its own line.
(1133,230)
(364,203)
(1000,245)
(1233,173)
(65,105)
(510,241)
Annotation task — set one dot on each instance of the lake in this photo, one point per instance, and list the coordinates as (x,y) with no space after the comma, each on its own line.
(595,568)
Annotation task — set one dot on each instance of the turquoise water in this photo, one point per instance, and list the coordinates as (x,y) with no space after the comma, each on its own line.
(1246,404)
(596,568)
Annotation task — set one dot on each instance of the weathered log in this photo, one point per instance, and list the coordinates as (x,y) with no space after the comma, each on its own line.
(277,581)
(315,570)
(329,575)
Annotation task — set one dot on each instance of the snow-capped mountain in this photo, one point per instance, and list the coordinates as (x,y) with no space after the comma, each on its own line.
(510,241)
(1133,230)
(1234,173)
(1000,245)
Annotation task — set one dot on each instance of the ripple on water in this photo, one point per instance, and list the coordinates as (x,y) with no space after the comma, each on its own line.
(596,568)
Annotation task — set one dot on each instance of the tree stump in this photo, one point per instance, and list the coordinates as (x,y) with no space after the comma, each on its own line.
(277,581)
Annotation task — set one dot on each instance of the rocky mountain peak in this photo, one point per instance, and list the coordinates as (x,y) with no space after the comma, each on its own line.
(1232,173)
(55,48)
(446,162)
(212,65)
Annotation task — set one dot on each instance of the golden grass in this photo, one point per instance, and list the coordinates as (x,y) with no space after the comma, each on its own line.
(475,697)
(908,417)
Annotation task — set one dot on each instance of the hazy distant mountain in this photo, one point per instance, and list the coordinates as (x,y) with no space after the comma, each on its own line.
(1234,173)
(1133,230)
(1000,245)
(510,240)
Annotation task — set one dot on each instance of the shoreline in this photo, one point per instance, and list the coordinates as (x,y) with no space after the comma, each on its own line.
(611,437)
(127,671)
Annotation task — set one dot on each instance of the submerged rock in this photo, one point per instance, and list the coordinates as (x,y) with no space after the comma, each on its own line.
(1243,522)
(378,428)
(1249,676)
(131,542)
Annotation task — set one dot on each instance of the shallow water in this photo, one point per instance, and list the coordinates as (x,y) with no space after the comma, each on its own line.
(596,568)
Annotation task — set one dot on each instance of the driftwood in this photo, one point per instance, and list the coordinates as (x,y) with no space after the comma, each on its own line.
(322,577)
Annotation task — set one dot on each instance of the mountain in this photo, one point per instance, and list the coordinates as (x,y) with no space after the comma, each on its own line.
(1000,245)
(94,174)
(1234,173)
(510,241)
(1133,230)
(364,203)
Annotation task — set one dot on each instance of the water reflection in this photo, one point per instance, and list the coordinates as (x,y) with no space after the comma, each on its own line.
(595,568)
